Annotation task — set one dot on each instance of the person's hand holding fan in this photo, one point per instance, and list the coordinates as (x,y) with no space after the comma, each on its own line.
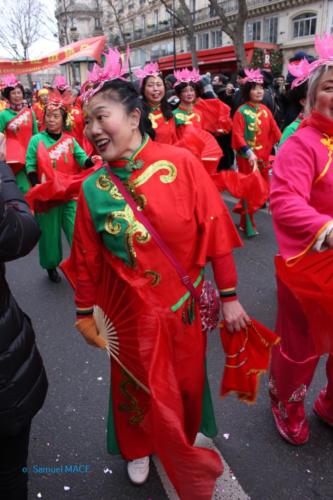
(88,329)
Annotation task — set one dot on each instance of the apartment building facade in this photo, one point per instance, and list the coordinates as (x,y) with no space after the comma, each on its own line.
(152,34)
(78,20)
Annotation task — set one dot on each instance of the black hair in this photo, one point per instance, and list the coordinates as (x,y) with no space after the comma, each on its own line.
(298,93)
(130,99)
(181,86)
(246,89)
(7,90)
(165,106)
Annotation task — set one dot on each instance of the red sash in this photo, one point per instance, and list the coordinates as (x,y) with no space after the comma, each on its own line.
(61,155)
(18,135)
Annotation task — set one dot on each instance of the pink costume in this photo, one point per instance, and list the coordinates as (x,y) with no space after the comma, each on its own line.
(302,210)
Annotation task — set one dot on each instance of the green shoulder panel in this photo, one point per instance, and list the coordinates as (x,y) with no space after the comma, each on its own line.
(110,214)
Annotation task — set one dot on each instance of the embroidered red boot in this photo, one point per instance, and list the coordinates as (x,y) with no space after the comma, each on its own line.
(290,419)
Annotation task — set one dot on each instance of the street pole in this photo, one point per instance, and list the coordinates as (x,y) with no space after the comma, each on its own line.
(174,35)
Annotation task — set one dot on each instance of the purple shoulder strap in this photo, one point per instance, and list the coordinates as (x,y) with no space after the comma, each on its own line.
(186,280)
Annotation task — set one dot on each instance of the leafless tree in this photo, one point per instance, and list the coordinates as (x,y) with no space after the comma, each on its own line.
(22,24)
(118,21)
(233,28)
(184,17)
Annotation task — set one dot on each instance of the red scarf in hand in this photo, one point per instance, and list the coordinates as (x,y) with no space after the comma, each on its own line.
(247,356)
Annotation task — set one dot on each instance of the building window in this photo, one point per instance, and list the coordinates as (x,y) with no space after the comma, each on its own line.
(271,29)
(203,41)
(156,18)
(143,23)
(253,29)
(98,25)
(216,38)
(304,25)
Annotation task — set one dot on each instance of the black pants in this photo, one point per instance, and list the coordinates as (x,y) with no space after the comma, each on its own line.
(228,157)
(13,457)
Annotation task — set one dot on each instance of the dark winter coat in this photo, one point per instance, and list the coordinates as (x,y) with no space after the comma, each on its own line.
(23,382)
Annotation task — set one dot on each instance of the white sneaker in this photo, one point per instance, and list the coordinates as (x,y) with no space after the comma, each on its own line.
(138,470)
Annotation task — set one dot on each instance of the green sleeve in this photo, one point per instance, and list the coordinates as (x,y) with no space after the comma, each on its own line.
(31,155)
(288,131)
(3,121)
(79,154)
(34,124)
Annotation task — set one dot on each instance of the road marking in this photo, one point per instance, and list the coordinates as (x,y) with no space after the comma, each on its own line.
(227,487)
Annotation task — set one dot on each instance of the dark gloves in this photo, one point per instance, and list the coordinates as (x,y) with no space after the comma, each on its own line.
(33,178)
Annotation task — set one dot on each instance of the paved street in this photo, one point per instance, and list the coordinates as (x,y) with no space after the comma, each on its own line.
(70,429)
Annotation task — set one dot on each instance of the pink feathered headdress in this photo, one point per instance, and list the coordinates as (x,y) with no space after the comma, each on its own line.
(10,81)
(186,76)
(114,68)
(150,69)
(61,83)
(303,70)
(324,48)
(253,75)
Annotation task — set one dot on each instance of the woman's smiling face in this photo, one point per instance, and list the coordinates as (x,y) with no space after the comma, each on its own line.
(109,127)
(154,90)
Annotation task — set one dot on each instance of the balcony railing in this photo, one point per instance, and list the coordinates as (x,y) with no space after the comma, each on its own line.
(141,33)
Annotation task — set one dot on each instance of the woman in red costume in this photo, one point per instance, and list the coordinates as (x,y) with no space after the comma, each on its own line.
(154,97)
(39,107)
(75,118)
(167,130)
(207,114)
(19,124)
(254,134)
(158,410)
(302,209)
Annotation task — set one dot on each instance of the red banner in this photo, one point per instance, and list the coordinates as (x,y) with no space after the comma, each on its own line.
(89,47)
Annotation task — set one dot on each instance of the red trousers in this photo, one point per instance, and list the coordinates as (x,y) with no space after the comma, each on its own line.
(294,361)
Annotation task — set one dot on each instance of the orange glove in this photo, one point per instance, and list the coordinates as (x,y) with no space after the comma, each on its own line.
(87,328)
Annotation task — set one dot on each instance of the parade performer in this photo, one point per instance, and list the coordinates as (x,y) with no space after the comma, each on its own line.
(168,130)
(254,134)
(19,124)
(153,93)
(75,118)
(302,210)
(39,108)
(66,156)
(158,375)
(208,114)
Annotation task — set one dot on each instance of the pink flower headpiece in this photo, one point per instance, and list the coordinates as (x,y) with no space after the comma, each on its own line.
(186,76)
(150,69)
(324,48)
(61,83)
(253,75)
(114,68)
(10,81)
(302,71)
